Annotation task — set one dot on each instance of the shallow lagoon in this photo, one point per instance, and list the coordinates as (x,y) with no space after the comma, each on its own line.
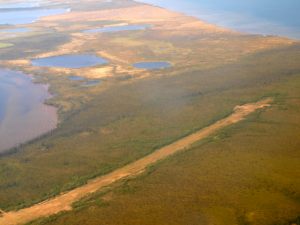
(70,61)
(23,114)
(26,16)
(152,65)
(111,29)
(268,17)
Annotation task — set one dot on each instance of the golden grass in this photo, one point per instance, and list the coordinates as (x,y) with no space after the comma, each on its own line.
(246,174)
(64,201)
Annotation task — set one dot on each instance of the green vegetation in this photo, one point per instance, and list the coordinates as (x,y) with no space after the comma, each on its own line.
(130,120)
(29,47)
(5,45)
(248,173)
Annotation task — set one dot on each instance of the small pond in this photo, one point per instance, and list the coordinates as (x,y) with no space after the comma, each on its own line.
(111,29)
(152,65)
(76,78)
(70,61)
(15,30)
(91,83)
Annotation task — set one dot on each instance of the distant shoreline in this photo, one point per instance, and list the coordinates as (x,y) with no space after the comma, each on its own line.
(262,27)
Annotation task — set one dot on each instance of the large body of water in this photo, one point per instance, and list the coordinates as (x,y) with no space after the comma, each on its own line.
(23,114)
(267,17)
(25,16)
(25,12)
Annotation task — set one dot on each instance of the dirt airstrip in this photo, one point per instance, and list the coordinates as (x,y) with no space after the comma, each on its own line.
(65,200)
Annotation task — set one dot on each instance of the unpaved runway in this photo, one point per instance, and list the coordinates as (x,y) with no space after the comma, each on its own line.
(64,201)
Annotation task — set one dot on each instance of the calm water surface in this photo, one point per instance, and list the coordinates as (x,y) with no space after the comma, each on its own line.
(15,30)
(111,29)
(70,61)
(268,17)
(18,5)
(76,78)
(152,65)
(25,13)
(91,83)
(23,114)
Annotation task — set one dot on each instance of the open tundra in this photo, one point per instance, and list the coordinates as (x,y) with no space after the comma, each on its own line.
(134,85)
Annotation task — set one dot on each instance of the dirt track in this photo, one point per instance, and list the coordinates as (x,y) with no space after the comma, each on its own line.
(64,201)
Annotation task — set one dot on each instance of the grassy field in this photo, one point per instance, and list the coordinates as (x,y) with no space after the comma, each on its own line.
(131,120)
(246,174)
(132,113)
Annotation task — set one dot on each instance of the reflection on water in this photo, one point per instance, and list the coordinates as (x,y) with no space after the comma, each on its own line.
(23,116)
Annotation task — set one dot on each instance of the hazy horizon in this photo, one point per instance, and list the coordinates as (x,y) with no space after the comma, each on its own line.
(258,17)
